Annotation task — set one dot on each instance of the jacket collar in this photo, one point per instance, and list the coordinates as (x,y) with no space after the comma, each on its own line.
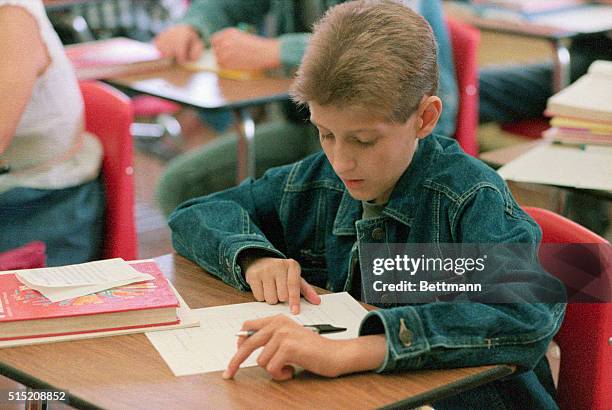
(404,199)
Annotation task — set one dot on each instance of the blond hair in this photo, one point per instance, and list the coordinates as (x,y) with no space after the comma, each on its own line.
(374,56)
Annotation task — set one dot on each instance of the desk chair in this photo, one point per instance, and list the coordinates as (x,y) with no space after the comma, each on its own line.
(465,41)
(108,115)
(585,377)
(29,256)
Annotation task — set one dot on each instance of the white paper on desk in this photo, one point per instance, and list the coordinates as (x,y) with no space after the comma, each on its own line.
(586,19)
(210,347)
(66,282)
(562,165)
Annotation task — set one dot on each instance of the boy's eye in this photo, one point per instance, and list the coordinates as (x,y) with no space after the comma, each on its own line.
(365,143)
(326,136)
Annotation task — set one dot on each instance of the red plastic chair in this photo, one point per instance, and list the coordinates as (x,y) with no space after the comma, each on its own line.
(585,377)
(29,256)
(465,41)
(108,115)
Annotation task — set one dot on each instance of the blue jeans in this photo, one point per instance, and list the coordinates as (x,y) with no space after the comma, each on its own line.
(70,221)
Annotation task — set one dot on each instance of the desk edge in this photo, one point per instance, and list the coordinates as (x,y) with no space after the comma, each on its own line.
(453,388)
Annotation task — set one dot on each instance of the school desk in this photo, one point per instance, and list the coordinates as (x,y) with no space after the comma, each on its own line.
(557,195)
(127,372)
(206,91)
(559,36)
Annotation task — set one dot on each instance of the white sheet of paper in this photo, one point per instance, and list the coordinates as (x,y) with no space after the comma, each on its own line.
(210,347)
(587,19)
(562,165)
(70,281)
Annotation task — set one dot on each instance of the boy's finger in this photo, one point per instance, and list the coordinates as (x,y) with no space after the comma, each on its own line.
(244,351)
(281,288)
(257,289)
(309,293)
(195,51)
(293,287)
(269,288)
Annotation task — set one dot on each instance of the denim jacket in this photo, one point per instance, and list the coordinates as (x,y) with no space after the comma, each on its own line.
(303,211)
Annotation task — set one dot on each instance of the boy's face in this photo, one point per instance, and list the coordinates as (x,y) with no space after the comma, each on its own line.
(369,155)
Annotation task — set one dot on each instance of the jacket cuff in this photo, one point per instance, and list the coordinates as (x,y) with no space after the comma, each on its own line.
(231,248)
(406,341)
(292,47)
(198,26)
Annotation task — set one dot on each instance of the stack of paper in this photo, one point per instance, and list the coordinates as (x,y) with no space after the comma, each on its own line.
(71,281)
(582,112)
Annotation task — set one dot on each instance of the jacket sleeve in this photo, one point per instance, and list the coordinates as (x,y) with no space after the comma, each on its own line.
(292,48)
(471,333)
(210,16)
(213,230)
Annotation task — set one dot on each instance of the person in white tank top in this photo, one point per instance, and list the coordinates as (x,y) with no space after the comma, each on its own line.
(49,166)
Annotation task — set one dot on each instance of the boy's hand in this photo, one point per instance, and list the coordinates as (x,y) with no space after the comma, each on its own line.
(279,280)
(181,42)
(286,343)
(237,50)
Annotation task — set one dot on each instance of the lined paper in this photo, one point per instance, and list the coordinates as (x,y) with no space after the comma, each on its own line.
(210,347)
(67,282)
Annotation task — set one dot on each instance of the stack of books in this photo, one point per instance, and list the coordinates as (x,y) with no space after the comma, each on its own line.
(582,112)
(52,302)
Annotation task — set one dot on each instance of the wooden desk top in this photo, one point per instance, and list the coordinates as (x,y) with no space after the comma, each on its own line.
(127,372)
(205,90)
(500,157)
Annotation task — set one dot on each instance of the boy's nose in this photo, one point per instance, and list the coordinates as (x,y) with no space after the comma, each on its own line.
(343,161)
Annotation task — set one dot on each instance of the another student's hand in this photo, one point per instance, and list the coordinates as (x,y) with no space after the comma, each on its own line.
(181,42)
(287,343)
(279,280)
(237,50)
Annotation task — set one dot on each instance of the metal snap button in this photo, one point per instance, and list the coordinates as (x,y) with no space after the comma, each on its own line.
(378,234)
(405,335)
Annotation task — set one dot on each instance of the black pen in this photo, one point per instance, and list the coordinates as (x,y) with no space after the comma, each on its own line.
(320,329)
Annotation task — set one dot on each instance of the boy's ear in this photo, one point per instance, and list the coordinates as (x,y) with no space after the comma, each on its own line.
(428,114)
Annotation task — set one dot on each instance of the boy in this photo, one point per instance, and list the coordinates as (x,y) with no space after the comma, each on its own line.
(369,77)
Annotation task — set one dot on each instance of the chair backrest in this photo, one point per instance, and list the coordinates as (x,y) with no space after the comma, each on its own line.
(108,115)
(465,41)
(585,376)
(29,256)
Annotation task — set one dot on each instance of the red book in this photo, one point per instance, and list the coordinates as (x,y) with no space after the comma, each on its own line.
(26,313)
(114,57)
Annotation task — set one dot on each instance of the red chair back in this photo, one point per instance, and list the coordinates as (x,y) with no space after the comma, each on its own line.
(28,256)
(108,115)
(585,376)
(465,41)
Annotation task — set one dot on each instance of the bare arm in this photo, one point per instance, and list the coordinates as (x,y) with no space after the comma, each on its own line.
(24,57)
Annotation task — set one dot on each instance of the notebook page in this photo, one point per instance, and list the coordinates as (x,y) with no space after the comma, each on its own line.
(210,347)
(71,281)
(90,273)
